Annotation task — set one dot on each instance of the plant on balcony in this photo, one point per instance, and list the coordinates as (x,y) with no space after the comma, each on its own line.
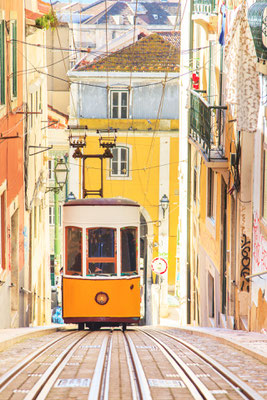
(47,21)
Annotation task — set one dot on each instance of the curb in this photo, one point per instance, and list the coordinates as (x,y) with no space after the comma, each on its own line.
(5,344)
(227,341)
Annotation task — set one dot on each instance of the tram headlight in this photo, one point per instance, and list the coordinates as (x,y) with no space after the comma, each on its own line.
(101,298)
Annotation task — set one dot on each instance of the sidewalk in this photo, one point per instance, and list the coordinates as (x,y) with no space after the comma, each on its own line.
(251,343)
(8,337)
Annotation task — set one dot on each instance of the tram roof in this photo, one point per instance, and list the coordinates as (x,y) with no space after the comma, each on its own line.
(102,202)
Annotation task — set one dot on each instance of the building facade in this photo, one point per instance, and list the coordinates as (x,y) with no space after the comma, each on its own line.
(36,288)
(12,269)
(225,188)
(132,95)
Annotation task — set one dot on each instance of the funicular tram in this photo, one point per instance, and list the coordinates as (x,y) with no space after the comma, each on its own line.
(101,278)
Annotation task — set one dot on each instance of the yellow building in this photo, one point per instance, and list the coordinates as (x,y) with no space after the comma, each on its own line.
(221,136)
(133,95)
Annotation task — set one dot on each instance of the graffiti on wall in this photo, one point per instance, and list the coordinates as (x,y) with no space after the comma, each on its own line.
(245,262)
(259,247)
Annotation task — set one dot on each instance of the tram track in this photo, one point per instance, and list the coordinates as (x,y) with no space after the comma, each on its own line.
(245,391)
(11,374)
(99,358)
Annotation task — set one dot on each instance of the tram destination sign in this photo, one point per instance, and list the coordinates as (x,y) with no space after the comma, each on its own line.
(159,265)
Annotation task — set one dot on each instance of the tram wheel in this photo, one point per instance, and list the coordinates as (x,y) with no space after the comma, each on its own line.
(81,326)
(124,327)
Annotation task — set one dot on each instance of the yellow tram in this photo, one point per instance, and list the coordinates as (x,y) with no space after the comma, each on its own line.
(101,281)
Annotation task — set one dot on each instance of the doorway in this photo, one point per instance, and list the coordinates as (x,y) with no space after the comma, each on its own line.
(14,285)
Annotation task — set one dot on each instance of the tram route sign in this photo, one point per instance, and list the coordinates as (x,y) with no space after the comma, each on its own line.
(159,265)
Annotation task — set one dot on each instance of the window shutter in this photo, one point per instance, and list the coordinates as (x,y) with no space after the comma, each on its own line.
(2,62)
(14,59)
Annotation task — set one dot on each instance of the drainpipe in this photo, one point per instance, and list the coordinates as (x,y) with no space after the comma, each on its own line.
(189,187)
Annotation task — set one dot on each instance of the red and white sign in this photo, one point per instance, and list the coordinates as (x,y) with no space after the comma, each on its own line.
(159,265)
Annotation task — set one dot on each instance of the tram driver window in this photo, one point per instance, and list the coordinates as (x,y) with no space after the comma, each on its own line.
(128,250)
(101,249)
(73,251)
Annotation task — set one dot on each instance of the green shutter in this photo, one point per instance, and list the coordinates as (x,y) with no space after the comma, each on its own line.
(14,59)
(2,62)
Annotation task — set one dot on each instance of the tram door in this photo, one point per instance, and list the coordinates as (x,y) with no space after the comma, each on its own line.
(143,268)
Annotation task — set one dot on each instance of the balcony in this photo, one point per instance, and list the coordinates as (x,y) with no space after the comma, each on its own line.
(205,13)
(206,128)
(204,7)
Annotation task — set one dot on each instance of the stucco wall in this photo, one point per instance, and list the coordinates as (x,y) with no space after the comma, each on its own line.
(92,100)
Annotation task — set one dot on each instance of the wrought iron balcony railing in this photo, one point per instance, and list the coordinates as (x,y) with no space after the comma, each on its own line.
(204,7)
(206,126)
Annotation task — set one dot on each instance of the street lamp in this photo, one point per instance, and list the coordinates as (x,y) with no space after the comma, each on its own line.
(71,196)
(61,174)
(164,203)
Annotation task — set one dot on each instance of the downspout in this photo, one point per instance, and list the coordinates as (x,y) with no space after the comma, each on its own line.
(189,186)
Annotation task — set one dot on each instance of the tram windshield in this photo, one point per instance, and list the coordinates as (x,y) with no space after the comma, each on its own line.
(128,250)
(73,250)
(101,251)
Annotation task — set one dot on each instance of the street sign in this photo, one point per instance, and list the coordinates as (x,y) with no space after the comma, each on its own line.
(159,265)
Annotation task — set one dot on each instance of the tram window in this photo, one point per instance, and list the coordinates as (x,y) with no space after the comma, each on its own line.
(73,251)
(101,250)
(128,250)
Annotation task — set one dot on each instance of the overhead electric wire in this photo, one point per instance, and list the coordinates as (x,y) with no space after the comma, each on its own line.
(151,150)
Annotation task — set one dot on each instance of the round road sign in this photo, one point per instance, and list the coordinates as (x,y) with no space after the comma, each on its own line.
(159,265)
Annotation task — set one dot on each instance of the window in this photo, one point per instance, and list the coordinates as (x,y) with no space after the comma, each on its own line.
(128,250)
(40,102)
(2,62)
(264,186)
(51,167)
(101,249)
(211,194)
(212,73)
(211,295)
(31,111)
(14,67)
(52,215)
(119,164)
(73,250)
(52,269)
(195,185)
(36,102)
(119,104)
(2,231)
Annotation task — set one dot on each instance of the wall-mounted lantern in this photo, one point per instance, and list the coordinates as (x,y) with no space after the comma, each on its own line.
(164,203)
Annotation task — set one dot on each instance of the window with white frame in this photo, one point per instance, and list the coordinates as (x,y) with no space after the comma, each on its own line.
(119,100)
(52,215)
(119,164)
(51,167)
(211,194)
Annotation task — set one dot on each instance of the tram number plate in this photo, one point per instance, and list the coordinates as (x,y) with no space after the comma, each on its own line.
(165,383)
(73,383)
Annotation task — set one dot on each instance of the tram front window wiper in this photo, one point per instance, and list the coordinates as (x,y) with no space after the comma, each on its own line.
(100,274)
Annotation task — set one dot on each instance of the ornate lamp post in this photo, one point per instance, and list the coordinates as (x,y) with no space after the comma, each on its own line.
(61,174)
(164,203)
